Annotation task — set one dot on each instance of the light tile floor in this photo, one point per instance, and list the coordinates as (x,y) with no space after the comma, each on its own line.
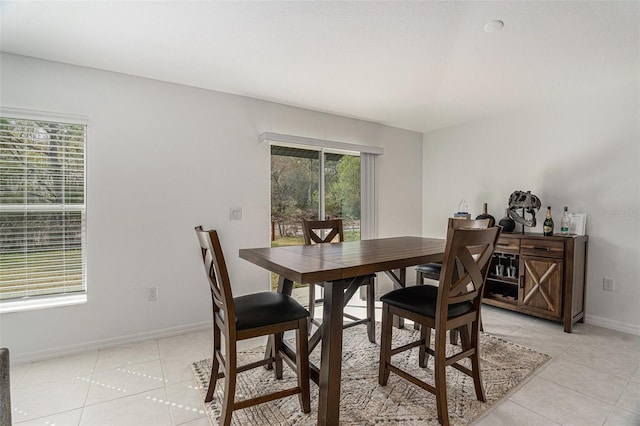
(592,379)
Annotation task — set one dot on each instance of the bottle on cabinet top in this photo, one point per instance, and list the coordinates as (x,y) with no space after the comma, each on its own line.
(547,226)
(565,222)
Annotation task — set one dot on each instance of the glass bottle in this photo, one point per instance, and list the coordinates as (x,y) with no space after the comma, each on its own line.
(564,222)
(548,224)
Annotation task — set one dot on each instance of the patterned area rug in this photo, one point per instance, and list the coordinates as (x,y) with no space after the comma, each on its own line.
(363,402)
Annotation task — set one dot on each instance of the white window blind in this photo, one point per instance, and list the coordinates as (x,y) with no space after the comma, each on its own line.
(42,208)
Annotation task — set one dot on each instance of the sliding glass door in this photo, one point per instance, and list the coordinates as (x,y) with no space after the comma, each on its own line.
(311,184)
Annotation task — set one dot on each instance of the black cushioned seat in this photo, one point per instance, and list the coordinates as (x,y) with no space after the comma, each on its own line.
(266,308)
(430,270)
(422,300)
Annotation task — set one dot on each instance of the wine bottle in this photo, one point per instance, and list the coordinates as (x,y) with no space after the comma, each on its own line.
(564,222)
(548,224)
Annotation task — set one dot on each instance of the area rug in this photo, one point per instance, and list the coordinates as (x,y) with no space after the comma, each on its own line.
(363,401)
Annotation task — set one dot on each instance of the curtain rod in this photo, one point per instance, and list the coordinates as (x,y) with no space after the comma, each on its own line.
(278,137)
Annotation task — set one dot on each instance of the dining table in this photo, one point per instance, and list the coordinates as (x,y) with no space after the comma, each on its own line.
(342,266)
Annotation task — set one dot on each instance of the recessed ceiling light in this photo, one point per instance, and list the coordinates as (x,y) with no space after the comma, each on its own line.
(494,26)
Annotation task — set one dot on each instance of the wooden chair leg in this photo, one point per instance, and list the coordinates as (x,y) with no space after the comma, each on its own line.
(475,363)
(385,345)
(453,336)
(425,337)
(441,378)
(229,385)
(371,310)
(312,304)
(419,281)
(302,362)
(216,364)
(214,378)
(465,337)
(277,339)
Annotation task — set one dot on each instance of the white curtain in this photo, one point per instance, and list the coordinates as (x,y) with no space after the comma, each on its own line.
(368,197)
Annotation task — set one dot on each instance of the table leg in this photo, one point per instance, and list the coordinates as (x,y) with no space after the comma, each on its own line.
(331,354)
(284,286)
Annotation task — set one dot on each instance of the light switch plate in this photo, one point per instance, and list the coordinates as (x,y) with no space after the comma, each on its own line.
(235,213)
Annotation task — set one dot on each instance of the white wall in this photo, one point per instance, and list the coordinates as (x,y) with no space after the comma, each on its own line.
(583,153)
(161,159)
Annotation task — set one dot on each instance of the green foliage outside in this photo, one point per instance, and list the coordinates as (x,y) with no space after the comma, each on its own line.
(295,190)
(41,162)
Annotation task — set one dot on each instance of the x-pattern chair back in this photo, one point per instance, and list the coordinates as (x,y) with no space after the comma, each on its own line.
(322,231)
(470,255)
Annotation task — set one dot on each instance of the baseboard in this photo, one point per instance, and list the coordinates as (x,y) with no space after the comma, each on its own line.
(21,358)
(613,325)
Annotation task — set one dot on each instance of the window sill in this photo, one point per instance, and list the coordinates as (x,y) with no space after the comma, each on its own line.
(42,303)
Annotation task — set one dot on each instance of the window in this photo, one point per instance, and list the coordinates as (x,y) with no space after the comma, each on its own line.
(42,208)
(312,184)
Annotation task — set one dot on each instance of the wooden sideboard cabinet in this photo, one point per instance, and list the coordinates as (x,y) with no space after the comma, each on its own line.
(539,276)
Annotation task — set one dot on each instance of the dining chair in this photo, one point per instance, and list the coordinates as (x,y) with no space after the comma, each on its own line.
(245,317)
(455,303)
(432,270)
(324,232)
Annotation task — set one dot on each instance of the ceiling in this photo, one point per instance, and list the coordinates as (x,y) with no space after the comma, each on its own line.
(419,65)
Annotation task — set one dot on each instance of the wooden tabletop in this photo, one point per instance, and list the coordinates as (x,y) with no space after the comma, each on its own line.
(338,261)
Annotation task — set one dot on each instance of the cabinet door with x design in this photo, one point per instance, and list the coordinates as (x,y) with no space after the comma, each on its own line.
(542,286)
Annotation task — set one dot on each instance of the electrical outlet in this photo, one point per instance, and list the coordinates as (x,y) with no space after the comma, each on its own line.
(608,283)
(235,213)
(152,294)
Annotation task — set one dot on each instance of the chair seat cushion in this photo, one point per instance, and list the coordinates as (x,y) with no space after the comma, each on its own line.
(266,308)
(422,300)
(430,269)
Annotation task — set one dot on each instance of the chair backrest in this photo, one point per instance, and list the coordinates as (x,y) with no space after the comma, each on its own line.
(465,266)
(468,223)
(313,229)
(218,276)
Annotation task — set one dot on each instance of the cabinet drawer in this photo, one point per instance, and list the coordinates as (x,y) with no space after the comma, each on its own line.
(542,248)
(508,245)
